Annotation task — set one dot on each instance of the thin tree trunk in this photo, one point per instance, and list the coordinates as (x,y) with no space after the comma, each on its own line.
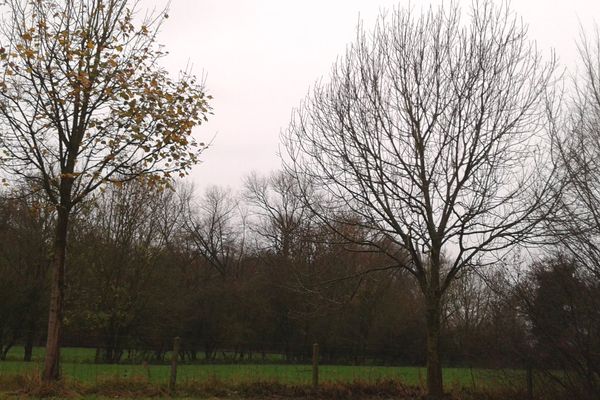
(55,314)
(29,345)
(32,318)
(4,352)
(435,388)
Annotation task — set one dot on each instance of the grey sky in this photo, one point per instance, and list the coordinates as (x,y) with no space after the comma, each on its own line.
(261,56)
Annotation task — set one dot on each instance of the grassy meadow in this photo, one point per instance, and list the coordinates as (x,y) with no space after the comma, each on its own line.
(78,366)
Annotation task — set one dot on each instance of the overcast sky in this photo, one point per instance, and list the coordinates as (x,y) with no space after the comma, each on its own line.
(261,56)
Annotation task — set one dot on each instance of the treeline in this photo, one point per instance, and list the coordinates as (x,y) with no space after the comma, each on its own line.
(255,273)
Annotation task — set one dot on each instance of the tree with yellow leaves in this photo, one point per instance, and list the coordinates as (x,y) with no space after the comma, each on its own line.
(84,103)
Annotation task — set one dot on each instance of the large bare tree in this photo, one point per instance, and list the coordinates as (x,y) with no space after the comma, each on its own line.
(578,229)
(570,281)
(431,129)
(83,103)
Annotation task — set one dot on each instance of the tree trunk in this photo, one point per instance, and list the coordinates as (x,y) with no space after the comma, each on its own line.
(29,345)
(32,319)
(55,314)
(4,352)
(435,388)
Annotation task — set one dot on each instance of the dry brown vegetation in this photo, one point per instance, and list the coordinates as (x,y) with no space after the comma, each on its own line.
(30,386)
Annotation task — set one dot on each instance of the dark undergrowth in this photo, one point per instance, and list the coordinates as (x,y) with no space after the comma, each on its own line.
(29,386)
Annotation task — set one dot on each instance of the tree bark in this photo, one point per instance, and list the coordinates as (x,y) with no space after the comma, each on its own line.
(28,346)
(55,314)
(33,314)
(435,387)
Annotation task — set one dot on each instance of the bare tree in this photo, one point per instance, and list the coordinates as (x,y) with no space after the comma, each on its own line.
(121,246)
(216,229)
(579,228)
(83,102)
(468,310)
(25,236)
(281,217)
(569,283)
(431,130)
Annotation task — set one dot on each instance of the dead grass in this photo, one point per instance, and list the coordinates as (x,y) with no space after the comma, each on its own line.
(30,386)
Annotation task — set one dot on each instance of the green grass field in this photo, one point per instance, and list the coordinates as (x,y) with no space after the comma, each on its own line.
(77,365)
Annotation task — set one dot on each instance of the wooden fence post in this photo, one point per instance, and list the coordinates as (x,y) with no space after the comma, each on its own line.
(174,357)
(146,368)
(315,366)
(529,382)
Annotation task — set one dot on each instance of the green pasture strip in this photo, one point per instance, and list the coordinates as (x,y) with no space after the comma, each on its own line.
(286,374)
(67,354)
